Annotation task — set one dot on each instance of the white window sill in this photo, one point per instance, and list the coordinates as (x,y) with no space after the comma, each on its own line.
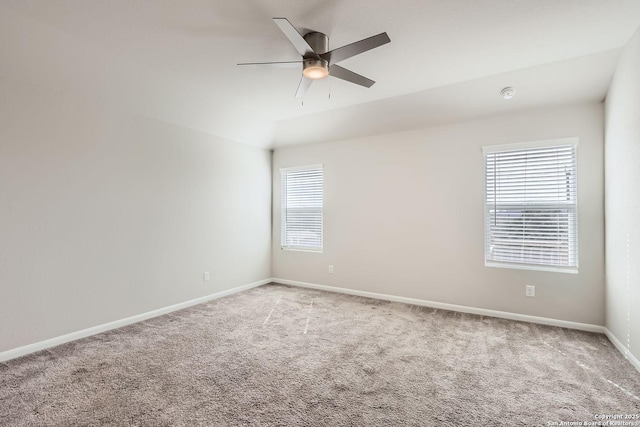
(570,270)
(318,251)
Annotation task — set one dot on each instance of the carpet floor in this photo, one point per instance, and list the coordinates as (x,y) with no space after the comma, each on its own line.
(284,356)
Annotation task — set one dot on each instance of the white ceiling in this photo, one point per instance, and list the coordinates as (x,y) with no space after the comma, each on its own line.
(447,60)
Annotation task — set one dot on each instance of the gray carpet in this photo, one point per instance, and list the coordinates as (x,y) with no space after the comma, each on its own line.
(246,360)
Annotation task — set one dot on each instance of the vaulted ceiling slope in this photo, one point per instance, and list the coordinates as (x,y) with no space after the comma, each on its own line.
(447,60)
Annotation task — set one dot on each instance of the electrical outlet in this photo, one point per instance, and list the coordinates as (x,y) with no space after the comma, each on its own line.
(530,291)
(206,276)
(330,268)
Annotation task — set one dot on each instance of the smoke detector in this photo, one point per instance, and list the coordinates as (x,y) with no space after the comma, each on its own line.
(507,92)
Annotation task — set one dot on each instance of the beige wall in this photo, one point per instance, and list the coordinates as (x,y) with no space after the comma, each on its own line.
(106,215)
(622,201)
(404,216)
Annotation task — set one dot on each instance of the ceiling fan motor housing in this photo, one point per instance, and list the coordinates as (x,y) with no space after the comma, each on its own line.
(314,67)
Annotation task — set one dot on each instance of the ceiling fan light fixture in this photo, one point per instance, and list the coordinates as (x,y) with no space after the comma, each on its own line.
(315,69)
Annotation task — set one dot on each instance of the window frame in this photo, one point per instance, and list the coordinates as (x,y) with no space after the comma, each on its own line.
(283,210)
(489,262)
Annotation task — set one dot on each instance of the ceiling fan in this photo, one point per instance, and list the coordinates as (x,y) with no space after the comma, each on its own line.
(318,61)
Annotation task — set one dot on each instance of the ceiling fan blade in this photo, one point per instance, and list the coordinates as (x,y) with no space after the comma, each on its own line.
(286,64)
(350,76)
(303,86)
(294,36)
(353,49)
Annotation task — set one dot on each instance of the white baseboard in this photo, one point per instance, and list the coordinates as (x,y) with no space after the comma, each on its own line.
(622,349)
(52,342)
(452,307)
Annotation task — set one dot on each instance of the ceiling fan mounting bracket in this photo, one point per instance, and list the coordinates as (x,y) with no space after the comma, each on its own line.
(319,42)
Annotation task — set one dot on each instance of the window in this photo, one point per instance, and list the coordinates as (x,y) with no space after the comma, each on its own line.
(531,205)
(302,208)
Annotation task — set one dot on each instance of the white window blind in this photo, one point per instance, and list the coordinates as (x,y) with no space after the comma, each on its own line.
(531,205)
(302,190)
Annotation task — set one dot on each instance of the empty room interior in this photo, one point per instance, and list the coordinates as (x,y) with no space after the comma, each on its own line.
(274,212)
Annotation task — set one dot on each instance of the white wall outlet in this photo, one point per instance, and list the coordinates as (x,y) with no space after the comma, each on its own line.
(330,268)
(530,291)
(206,276)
